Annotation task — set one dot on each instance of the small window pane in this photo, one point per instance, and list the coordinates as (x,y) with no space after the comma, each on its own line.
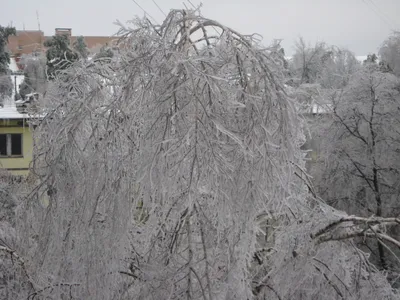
(16,144)
(3,144)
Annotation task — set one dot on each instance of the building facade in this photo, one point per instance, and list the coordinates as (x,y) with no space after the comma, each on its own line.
(16,144)
(26,42)
(32,41)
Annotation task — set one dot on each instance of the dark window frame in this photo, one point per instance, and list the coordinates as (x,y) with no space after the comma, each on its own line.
(9,145)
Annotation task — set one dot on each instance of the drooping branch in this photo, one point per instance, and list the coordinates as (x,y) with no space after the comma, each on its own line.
(33,295)
(162,164)
(21,262)
(352,226)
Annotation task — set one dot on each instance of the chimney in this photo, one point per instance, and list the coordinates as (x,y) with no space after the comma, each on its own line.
(64,31)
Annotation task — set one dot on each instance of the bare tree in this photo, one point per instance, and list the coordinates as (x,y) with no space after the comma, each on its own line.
(361,174)
(35,75)
(308,62)
(317,72)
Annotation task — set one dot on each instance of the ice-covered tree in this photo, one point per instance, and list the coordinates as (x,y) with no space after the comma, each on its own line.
(390,52)
(308,62)
(34,75)
(320,70)
(361,173)
(176,173)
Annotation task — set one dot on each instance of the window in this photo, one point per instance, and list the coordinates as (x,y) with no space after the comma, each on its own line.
(10,145)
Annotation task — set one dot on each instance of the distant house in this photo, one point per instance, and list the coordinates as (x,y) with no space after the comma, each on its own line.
(32,41)
(315,114)
(26,42)
(16,143)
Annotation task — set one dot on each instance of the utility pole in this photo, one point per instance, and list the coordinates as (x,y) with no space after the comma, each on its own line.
(15,87)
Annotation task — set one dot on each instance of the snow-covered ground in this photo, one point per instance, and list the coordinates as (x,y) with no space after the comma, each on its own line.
(16,79)
(9,110)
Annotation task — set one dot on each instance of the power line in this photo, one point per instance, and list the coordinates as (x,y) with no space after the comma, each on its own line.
(382,16)
(195,8)
(386,16)
(155,3)
(146,13)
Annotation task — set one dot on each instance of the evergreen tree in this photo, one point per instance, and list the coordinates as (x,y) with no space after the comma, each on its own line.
(105,53)
(5,32)
(5,80)
(371,59)
(59,55)
(80,47)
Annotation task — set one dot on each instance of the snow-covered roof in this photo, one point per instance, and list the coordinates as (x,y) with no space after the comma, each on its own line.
(9,111)
(360,58)
(315,109)
(321,109)
(13,65)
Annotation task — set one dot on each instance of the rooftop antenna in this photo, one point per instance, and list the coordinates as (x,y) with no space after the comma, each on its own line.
(37,17)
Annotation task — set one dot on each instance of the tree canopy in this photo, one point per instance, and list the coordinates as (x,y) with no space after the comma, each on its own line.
(5,80)
(59,54)
(390,52)
(34,75)
(175,171)
(80,47)
(5,32)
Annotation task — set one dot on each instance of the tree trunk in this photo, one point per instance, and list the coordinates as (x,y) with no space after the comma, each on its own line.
(378,200)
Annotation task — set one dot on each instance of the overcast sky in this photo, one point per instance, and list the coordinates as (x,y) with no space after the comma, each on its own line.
(359,25)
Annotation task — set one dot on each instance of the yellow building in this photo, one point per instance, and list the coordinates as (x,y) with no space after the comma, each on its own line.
(16,143)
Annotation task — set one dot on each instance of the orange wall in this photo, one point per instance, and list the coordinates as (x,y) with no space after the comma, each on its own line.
(28,41)
(93,41)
